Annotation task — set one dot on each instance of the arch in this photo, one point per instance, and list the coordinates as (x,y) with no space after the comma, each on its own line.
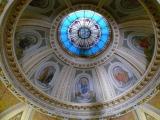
(120,76)
(28,40)
(83,89)
(141,43)
(46,74)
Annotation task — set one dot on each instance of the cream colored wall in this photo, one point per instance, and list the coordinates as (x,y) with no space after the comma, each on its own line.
(7,99)
(155,101)
(11,106)
(128,116)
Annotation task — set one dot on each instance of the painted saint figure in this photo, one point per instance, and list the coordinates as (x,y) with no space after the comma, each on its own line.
(122,78)
(27,41)
(120,74)
(46,75)
(83,91)
(84,85)
(144,44)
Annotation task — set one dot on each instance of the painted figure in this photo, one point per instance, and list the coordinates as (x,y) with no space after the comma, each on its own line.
(27,42)
(46,75)
(84,85)
(83,91)
(145,44)
(141,42)
(122,78)
(120,74)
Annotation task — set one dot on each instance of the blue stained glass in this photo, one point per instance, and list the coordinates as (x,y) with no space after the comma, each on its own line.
(97,17)
(87,52)
(101,44)
(64,39)
(63,31)
(65,23)
(89,14)
(72,17)
(80,14)
(72,48)
(76,34)
(95,50)
(102,22)
(103,38)
(105,31)
(67,44)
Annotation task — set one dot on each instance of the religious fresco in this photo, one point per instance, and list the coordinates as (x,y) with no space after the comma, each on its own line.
(144,44)
(23,43)
(121,77)
(140,42)
(84,92)
(26,40)
(26,76)
(46,75)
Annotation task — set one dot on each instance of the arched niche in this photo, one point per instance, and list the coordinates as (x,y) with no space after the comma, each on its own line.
(46,75)
(27,40)
(141,43)
(83,91)
(121,76)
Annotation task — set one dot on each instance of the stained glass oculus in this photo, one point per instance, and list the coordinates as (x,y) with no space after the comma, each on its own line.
(84,33)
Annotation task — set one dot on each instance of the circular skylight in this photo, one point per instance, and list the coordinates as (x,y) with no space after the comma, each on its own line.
(71,86)
(84,33)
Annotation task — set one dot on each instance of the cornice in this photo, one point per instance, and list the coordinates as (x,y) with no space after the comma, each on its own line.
(12,73)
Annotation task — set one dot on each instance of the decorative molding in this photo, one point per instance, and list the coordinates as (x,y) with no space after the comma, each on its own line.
(14,76)
(82,62)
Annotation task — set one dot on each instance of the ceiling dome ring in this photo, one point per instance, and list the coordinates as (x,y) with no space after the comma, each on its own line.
(85,60)
(10,62)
